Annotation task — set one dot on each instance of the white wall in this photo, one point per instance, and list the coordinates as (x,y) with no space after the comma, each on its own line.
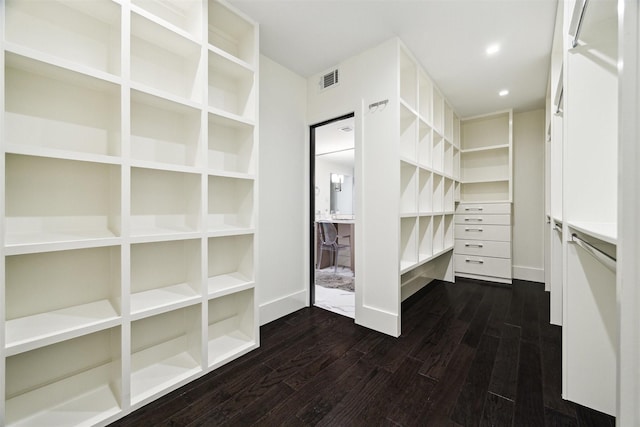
(364,79)
(283,275)
(528,195)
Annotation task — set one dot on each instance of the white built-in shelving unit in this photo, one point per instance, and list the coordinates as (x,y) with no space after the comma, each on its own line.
(483,216)
(429,174)
(589,171)
(129,139)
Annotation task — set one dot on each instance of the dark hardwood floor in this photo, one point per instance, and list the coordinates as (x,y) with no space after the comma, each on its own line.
(471,354)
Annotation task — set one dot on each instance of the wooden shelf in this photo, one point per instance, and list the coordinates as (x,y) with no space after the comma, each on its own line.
(82,32)
(178,15)
(46,107)
(230,203)
(164,202)
(231,146)
(232,33)
(230,263)
(165,60)
(163,131)
(232,87)
(70,383)
(232,328)
(165,352)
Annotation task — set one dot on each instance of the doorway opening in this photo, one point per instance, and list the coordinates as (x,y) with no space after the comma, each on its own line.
(333,189)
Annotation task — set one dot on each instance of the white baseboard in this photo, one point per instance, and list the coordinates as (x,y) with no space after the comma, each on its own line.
(528,273)
(378,320)
(280,307)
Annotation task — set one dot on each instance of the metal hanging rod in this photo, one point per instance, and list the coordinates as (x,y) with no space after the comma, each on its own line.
(607,260)
(578,26)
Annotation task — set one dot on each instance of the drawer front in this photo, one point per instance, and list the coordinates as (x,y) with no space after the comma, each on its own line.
(483,248)
(484,208)
(473,219)
(483,266)
(501,233)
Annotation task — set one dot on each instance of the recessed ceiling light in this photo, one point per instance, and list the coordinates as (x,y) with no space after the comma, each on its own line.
(503,92)
(493,49)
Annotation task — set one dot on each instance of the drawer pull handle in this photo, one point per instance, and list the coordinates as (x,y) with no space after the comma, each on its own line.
(473,219)
(473,245)
(473,209)
(477,261)
(472,229)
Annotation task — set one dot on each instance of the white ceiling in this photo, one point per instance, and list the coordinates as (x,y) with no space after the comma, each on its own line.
(336,145)
(448,37)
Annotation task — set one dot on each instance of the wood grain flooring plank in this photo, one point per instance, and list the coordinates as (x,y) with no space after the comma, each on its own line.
(529,409)
(470,403)
(446,392)
(499,311)
(498,411)
(442,349)
(504,378)
(554,418)
(590,418)
(323,382)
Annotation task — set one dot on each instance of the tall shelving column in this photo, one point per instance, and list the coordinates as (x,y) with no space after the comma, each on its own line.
(483,216)
(427,178)
(130,162)
(590,203)
(62,236)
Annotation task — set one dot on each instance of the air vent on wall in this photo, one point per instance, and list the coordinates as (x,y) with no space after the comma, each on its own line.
(329,79)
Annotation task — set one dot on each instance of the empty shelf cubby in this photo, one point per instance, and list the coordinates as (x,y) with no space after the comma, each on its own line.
(230,263)
(232,33)
(75,382)
(53,296)
(164,202)
(164,131)
(230,203)
(164,275)
(52,108)
(53,201)
(164,60)
(231,146)
(165,352)
(86,33)
(232,329)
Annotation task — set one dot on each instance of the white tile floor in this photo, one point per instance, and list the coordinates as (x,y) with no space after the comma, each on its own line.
(336,300)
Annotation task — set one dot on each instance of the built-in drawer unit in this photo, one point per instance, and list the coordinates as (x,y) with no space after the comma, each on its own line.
(483,266)
(483,241)
(483,248)
(483,232)
(484,208)
(473,219)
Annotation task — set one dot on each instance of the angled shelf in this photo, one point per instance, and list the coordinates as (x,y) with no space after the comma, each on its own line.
(408,243)
(35,313)
(408,81)
(408,188)
(75,382)
(232,33)
(165,352)
(163,131)
(179,15)
(425,145)
(51,200)
(425,93)
(231,326)
(165,61)
(232,87)
(230,263)
(425,191)
(46,108)
(438,233)
(438,112)
(231,203)
(425,238)
(408,134)
(437,153)
(86,33)
(164,276)
(164,202)
(231,147)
